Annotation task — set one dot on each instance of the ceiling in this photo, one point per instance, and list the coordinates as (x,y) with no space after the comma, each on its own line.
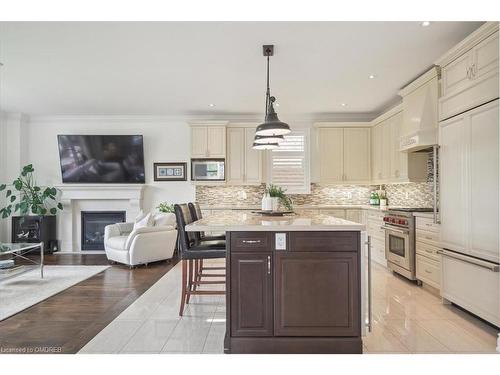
(180,68)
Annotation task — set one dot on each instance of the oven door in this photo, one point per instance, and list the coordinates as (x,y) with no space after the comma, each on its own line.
(397,246)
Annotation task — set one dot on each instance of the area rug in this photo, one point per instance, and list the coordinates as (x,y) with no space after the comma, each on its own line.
(25,290)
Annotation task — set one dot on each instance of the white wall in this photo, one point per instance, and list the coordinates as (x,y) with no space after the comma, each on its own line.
(23,142)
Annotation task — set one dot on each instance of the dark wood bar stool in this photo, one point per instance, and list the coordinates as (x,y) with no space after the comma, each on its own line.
(199,267)
(191,249)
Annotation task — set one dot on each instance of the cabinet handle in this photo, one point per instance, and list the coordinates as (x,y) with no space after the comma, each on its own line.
(251,241)
(268,264)
(369,246)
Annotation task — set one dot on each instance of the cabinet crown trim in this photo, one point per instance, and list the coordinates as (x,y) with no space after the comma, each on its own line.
(468,43)
(330,124)
(208,123)
(433,72)
(387,114)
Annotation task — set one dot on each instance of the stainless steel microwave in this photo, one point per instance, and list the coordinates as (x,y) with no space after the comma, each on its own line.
(208,170)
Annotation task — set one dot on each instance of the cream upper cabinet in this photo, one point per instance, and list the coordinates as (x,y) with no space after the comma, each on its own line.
(389,165)
(216,141)
(469,185)
(235,167)
(470,72)
(331,153)
(244,164)
(208,141)
(199,142)
(344,155)
(376,149)
(356,155)
(253,159)
(386,149)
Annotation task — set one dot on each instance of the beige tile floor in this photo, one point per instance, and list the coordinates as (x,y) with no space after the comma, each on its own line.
(406,319)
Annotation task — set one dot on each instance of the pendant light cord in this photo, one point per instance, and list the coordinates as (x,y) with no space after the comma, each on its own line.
(268,92)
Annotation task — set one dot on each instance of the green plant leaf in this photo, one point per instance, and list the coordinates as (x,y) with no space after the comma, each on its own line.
(60,206)
(18,184)
(53,211)
(36,188)
(13,198)
(8,193)
(42,211)
(2,187)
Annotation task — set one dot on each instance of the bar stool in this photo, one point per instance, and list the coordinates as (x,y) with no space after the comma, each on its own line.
(196,214)
(191,249)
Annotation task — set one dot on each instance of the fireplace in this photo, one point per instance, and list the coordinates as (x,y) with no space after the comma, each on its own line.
(93,223)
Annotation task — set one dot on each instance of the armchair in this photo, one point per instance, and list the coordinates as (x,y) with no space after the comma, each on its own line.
(144,245)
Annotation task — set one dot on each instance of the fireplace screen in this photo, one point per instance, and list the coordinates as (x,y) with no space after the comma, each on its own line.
(93,224)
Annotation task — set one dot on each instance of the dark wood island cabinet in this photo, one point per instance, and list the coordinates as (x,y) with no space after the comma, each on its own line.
(302,299)
(293,284)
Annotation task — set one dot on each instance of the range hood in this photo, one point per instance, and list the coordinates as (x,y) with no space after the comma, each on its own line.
(420,112)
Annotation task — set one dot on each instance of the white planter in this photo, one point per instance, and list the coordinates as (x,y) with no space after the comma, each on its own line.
(270,204)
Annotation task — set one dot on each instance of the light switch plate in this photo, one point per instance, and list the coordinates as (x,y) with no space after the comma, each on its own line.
(280,241)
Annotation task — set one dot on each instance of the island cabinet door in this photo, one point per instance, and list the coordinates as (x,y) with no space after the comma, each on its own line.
(316,294)
(251,294)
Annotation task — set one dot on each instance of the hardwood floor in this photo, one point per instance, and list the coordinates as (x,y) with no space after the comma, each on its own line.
(64,323)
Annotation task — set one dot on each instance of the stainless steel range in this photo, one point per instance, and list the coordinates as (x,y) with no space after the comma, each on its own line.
(399,225)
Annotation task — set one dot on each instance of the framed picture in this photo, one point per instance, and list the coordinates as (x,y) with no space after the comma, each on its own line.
(170,171)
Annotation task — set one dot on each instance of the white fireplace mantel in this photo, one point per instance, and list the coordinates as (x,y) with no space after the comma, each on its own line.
(76,198)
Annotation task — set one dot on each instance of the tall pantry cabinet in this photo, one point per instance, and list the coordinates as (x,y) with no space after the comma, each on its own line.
(469,174)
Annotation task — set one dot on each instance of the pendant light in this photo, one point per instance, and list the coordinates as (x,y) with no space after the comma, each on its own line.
(271,131)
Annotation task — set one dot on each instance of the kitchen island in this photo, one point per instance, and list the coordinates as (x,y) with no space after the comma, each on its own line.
(293,283)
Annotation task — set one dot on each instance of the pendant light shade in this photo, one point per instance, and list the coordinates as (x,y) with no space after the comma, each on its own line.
(266,139)
(265,146)
(270,133)
(272,125)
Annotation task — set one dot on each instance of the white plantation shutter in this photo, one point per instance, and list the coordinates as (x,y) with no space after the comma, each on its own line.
(289,163)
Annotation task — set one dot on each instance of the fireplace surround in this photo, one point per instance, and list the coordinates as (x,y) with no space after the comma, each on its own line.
(93,197)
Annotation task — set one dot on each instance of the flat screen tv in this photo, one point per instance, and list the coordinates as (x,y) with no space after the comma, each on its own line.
(101,158)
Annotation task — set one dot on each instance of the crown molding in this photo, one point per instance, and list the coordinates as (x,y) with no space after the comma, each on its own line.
(421,80)
(387,114)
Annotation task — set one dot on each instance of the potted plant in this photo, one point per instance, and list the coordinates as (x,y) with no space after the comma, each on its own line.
(166,208)
(278,197)
(26,198)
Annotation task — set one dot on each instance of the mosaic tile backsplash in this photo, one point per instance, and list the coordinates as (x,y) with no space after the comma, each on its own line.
(410,195)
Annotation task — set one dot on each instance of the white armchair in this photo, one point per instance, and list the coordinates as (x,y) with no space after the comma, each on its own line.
(144,245)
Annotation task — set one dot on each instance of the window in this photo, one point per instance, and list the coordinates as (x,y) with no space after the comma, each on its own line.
(289,164)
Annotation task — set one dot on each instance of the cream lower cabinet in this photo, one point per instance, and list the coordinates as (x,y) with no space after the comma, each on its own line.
(344,155)
(244,164)
(374,222)
(469,183)
(427,246)
(208,141)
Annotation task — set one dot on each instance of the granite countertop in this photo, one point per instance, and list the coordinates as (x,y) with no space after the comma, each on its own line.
(245,221)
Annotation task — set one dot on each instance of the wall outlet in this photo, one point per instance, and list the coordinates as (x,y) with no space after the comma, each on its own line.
(280,241)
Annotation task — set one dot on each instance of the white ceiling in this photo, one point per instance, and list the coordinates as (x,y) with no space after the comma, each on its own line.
(179,68)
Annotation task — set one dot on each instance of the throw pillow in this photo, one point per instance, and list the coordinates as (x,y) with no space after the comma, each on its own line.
(145,221)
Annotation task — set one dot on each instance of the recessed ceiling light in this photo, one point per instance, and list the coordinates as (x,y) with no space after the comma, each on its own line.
(211,105)
(425,23)
(372,76)
(343,104)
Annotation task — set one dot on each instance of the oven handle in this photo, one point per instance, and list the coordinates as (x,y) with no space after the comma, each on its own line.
(395,229)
